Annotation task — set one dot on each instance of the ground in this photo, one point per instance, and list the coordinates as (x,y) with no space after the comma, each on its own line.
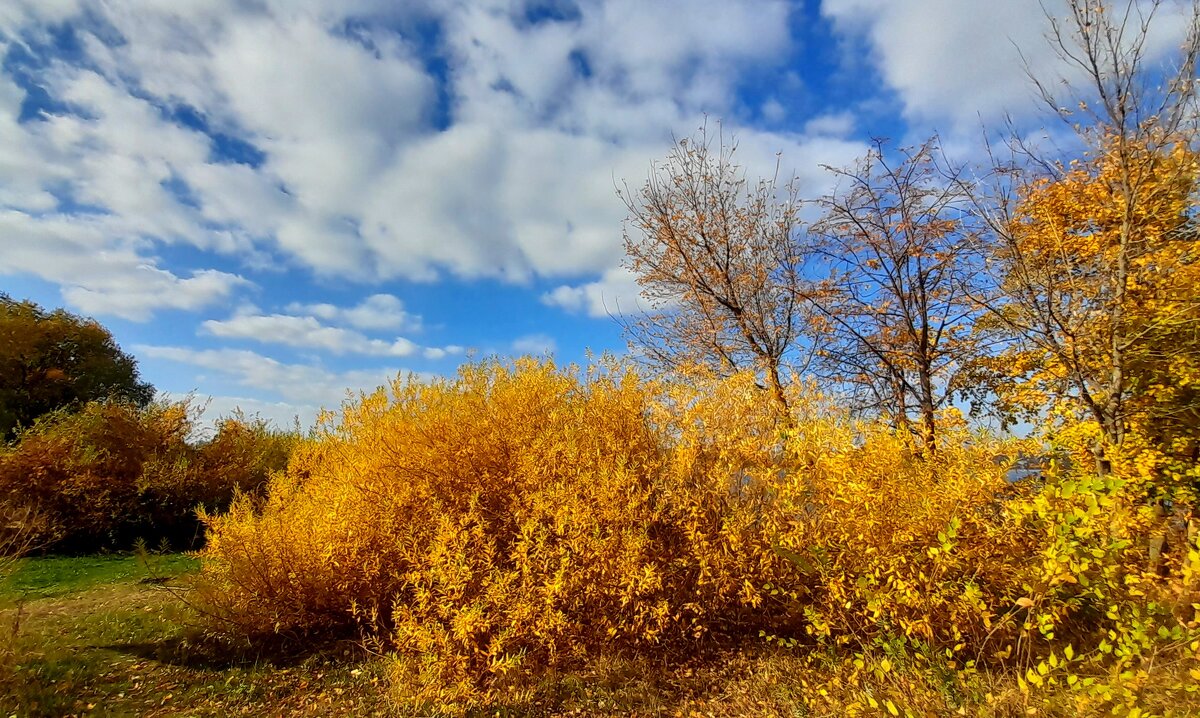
(112,635)
(115,636)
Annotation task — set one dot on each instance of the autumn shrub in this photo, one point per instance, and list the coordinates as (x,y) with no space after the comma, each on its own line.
(512,517)
(939,553)
(81,471)
(111,473)
(892,540)
(519,517)
(241,455)
(931,587)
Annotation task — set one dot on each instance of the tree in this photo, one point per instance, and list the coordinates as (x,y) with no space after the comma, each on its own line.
(897,309)
(1078,244)
(1101,298)
(51,360)
(719,262)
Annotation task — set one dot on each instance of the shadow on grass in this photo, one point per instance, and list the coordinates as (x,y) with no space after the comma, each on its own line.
(196,652)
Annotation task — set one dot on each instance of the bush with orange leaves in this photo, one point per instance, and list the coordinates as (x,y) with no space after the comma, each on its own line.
(512,516)
(522,516)
(112,473)
(894,543)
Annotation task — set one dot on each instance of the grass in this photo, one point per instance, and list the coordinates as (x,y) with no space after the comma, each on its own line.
(109,635)
(114,636)
(97,637)
(57,576)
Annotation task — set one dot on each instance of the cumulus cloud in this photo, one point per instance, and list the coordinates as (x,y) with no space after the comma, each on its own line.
(99,274)
(325,327)
(360,163)
(834,124)
(615,293)
(376,312)
(281,414)
(305,332)
(435,353)
(966,61)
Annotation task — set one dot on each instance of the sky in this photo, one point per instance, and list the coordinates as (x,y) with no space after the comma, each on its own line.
(271,203)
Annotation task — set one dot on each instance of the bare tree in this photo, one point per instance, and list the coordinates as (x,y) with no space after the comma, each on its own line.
(719,261)
(897,305)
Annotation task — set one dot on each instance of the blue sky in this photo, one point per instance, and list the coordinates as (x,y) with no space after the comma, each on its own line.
(271,202)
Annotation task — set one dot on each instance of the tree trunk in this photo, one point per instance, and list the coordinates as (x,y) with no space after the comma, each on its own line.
(777,391)
(928,414)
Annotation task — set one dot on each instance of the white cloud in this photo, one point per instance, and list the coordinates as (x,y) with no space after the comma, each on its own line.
(27,163)
(282,414)
(376,312)
(149,289)
(309,326)
(961,60)
(435,353)
(357,181)
(834,124)
(536,344)
(305,332)
(295,384)
(329,112)
(99,274)
(615,293)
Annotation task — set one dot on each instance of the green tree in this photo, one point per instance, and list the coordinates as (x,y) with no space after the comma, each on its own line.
(52,360)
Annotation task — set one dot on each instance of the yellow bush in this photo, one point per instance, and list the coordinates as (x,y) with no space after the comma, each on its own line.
(892,543)
(514,515)
(526,516)
(519,517)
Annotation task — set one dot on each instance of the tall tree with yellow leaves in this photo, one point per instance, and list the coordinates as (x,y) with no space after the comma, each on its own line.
(1093,254)
(1100,295)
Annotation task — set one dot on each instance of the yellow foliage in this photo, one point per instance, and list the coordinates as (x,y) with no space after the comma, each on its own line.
(893,544)
(514,514)
(1101,275)
(523,517)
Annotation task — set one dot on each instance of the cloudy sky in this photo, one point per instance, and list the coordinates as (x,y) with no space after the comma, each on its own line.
(273,201)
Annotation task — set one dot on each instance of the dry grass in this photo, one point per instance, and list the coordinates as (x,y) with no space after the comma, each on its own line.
(98,639)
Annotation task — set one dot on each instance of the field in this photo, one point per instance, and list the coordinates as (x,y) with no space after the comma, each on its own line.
(113,636)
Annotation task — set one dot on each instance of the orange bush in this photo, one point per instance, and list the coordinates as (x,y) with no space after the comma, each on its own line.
(526,515)
(519,517)
(112,473)
(895,544)
(514,515)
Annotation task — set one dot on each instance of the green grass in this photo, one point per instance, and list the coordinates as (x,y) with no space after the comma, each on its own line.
(95,637)
(54,576)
